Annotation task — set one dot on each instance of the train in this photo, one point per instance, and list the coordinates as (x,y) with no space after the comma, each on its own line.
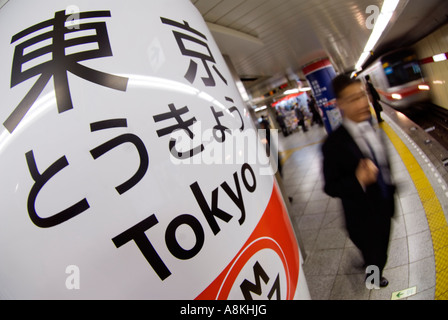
(398,78)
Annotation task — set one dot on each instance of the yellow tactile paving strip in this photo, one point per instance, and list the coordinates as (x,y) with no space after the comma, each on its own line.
(436,219)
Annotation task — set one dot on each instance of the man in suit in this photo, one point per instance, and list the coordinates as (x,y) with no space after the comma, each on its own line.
(375,98)
(356,170)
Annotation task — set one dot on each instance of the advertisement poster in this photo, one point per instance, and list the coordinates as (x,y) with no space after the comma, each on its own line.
(320,74)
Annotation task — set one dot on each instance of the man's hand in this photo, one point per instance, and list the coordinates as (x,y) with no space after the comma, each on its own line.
(366,172)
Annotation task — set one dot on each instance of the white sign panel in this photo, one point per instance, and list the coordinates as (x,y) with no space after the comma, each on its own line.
(129,165)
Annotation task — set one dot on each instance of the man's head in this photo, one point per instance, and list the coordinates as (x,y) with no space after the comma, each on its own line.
(351,98)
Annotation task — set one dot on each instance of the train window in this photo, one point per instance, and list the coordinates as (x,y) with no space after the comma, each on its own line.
(402,70)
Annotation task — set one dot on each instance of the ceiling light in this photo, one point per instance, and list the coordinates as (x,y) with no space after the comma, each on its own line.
(383,20)
(397,96)
(261,108)
(439,57)
(292,91)
(424,87)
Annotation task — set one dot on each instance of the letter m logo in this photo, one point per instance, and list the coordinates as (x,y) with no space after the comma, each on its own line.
(247,287)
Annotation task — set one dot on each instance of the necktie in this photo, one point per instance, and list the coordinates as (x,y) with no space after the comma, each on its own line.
(381,183)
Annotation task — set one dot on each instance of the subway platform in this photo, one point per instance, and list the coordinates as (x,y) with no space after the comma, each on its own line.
(418,249)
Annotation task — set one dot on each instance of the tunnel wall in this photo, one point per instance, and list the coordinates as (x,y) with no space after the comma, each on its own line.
(436,72)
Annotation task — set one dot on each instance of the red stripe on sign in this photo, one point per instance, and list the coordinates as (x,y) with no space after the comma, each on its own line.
(426,60)
(274,232)
(316,66)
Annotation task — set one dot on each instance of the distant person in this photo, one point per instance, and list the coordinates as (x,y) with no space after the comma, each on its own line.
(300,117)
(312,105)
(356,170)
(265,125)
(375,99)
(281,122)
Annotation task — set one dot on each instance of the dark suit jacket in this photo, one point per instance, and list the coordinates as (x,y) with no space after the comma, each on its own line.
(367,212)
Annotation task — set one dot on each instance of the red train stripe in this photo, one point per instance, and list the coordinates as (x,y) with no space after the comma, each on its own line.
(406,92)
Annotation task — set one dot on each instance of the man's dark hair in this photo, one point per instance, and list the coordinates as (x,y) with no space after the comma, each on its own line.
(341,82)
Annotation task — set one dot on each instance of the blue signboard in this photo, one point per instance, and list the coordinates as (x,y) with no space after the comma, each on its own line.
(319,75)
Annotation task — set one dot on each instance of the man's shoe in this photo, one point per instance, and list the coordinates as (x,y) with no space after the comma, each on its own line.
(384,282)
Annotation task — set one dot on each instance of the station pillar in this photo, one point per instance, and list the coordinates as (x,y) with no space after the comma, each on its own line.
(319,75)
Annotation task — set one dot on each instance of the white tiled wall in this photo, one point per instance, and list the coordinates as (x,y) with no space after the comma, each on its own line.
(437,72)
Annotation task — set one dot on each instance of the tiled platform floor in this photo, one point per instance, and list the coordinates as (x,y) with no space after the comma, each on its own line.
(333,264)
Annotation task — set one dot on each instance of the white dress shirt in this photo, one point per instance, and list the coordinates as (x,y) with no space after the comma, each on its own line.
(364,133)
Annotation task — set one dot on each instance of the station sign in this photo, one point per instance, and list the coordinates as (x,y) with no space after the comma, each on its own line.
(320,75)
(130,166)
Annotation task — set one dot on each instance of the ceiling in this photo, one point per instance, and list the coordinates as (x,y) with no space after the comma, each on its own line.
(269,41)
